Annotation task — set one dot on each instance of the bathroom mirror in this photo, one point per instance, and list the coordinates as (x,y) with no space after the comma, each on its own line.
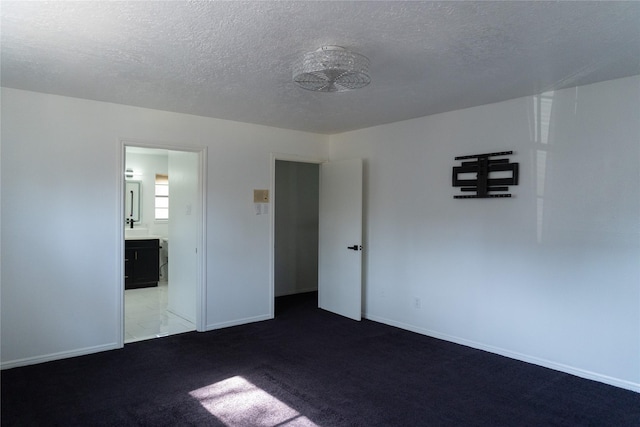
(132,202)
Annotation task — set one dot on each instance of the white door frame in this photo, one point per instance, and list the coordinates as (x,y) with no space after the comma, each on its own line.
(272,227)
(201,215)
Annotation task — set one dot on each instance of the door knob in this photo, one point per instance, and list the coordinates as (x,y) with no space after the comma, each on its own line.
(355,247)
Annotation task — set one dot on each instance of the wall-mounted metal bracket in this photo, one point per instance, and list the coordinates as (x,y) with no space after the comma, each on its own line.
(483,184)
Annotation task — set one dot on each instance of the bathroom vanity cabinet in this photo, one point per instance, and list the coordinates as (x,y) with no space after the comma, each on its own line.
(141,263)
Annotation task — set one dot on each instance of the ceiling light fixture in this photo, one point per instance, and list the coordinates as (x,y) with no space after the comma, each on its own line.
(332,69)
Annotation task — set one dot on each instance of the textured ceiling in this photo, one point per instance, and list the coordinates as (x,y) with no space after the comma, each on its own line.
(233,60)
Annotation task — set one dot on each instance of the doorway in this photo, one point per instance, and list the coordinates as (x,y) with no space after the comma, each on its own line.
(171,216)
(296,214)
(339,244)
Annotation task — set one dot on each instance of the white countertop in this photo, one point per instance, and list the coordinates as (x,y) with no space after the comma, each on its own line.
(139,233)
(145,237)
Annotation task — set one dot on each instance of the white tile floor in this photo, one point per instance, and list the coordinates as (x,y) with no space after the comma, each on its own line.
(146,315)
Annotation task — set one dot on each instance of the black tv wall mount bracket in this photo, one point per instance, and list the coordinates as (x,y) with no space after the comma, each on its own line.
(484,186)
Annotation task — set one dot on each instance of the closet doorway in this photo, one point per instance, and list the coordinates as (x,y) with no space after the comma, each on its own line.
(296,209)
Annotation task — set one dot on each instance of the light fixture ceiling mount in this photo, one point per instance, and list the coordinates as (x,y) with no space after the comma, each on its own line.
(332,69)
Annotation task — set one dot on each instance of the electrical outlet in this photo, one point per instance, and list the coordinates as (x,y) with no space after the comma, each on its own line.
(416,302)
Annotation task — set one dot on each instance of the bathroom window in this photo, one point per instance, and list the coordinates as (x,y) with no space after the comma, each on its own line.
(162,197)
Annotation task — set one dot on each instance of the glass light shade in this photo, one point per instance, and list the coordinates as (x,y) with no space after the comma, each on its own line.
(332,69)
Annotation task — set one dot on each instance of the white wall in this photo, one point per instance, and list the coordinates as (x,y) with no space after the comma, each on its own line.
(61,170)
(551,276)
(296,227)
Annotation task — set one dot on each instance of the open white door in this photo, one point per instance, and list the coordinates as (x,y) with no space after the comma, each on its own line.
(183,233)
(340,238)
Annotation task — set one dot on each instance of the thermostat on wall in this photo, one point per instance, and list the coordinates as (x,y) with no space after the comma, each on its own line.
(260,196)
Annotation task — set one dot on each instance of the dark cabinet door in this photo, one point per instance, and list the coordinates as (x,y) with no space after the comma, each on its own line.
(142,264)
(147,265)
(129,258)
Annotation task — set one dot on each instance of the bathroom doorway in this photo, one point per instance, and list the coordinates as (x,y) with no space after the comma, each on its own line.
(170,204)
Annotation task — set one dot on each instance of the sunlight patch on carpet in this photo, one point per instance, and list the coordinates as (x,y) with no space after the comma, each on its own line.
(237,402)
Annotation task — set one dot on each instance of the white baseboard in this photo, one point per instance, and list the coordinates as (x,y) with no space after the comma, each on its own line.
(617,382)
(57,356)
(238,322)
(113,346)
